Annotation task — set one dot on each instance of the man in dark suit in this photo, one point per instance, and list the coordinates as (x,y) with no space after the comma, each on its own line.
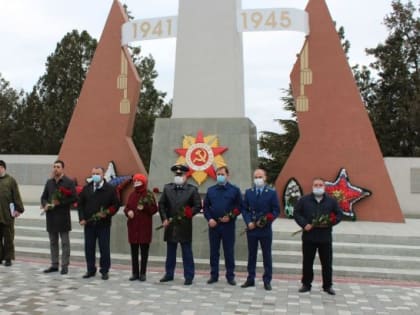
(178,203)
(260,208)
(98,202)
(315,235)
(58,195)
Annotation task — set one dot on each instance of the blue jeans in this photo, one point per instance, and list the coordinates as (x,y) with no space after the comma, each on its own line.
(187,259)
(101,233)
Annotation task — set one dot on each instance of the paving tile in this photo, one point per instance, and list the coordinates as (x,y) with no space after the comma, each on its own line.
(26,289)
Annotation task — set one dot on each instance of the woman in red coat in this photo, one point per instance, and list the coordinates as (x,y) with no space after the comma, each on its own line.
(140,208)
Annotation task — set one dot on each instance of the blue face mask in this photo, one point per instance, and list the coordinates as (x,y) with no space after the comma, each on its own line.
(221,179)
(96,178)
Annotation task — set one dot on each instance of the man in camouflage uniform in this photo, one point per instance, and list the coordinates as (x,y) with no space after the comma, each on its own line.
(10,207)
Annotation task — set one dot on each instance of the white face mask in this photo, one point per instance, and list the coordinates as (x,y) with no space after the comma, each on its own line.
(178,180)
(318,191)
(259,182)
(137,184)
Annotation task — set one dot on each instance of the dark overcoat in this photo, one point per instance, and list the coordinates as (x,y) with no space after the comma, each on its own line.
(58,218)
(172,203)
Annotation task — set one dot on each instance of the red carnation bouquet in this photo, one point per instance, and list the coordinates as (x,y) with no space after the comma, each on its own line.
(231,214)
(149,199)
(185,213)
(59,196)
(321,221)
(101,214)
(261,222)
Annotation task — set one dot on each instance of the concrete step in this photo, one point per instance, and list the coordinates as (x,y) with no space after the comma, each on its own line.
(385,256)
(356,248)
(356,238)
(43,242)
(38,231)
(278,267)
(354,260)
(286,256)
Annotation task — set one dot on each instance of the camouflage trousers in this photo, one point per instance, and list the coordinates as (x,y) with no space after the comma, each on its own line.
(7,235)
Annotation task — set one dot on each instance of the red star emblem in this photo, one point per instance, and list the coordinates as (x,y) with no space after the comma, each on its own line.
(345,193)
(200,154)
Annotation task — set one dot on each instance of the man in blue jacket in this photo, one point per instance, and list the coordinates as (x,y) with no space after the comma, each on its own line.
(260,209)
(316,213)
(222,205)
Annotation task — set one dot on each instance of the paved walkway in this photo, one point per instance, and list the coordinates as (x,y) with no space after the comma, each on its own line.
(25,289)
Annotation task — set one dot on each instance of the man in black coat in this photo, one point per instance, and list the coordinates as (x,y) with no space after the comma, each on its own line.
(316,213)
(98,202)
(58,195)
(178,203)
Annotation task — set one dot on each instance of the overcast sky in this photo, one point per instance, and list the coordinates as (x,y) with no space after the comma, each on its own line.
(30,30)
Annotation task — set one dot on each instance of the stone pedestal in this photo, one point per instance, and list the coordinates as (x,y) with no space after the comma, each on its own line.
(237,134)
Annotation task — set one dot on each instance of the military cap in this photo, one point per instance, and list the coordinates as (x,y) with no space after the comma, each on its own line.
(179,169)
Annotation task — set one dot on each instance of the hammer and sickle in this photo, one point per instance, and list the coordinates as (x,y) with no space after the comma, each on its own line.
(200,156)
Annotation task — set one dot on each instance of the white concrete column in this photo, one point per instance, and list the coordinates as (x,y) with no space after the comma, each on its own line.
(209,60)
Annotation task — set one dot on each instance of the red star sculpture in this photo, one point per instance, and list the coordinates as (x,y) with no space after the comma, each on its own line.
(345,193)
(200,153)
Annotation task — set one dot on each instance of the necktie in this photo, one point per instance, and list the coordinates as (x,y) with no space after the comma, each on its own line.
(258,192)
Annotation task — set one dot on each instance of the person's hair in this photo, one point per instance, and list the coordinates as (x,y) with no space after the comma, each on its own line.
(261,169)
(318,178)
(59,162)
(100,167)
(224,167)
(3,163)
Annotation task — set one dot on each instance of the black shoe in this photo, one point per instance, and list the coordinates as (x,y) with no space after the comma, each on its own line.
(304,289)
(212,280)
(8,263)
(267,286)
(51,269)
(64,270)
(188,282)
(166,278)
(134,277)
(142,278)
(105,276)
(89,275)
(248,283)
(330,291)
(231,282)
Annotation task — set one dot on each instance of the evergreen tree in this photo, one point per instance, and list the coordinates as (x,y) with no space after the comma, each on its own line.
(394,101)
(29,135)
(151,105)
(278,147)
(10,101)
(46,112)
